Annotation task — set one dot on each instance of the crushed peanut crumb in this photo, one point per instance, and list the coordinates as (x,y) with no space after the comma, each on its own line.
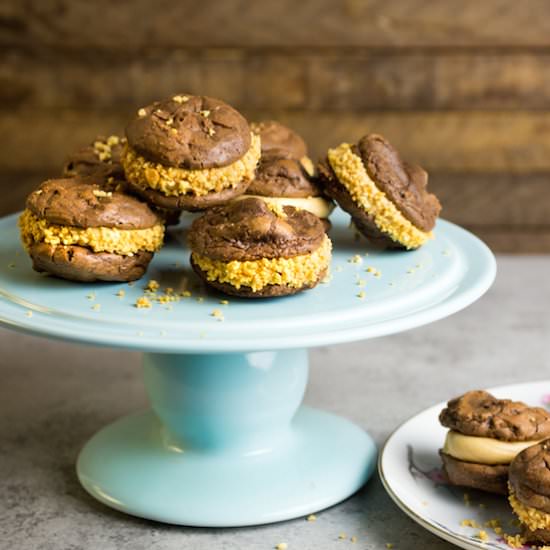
(355,259)
(342,536)
(101,193)
(121,293)
(224,302)
(217,314)
(470,523)
(143,303)
(142,112)
(389,545)
(211,132)
(311,517)
(91,296)
(281,546)
(353,540)
(205,113)
(180,98)
(361,295)
(152,285)
(482,535)
(29,313)
(96,307)
(186,294)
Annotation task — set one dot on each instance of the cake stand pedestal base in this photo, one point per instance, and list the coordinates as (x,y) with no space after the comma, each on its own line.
(227,444)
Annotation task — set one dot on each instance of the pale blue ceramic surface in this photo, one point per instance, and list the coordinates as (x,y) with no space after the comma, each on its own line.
(232,450)
(227,442)
(414,288)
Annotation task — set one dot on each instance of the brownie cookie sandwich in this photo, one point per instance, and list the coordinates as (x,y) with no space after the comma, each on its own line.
(189,152)
(386,197)
(100,161)
(76,230)
(485,434)
(280,141)
(530,492)
(253,249)
(284,182)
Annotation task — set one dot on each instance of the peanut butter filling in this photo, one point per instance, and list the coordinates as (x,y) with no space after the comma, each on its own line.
(483,450)
(256,274)
(125,242)
(316,205)
(180,181)
(351,173)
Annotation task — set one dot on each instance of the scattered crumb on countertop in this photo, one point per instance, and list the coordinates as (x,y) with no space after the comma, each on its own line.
(356,259)
(91,296)
(121,293)
(361,295)
(96,307)
(28,313)
(311,517)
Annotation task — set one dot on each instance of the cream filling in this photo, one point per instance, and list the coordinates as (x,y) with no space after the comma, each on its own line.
(483,450)
(316,205)
(351,173)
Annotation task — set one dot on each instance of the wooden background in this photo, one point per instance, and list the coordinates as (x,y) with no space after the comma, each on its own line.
(462,87)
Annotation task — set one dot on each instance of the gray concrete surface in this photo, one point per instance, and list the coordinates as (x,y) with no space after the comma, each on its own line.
(54,396)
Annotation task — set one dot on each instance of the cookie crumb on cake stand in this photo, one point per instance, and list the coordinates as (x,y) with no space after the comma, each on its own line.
(227,441)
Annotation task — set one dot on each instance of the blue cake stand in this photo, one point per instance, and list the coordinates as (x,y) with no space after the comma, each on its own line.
(226,441)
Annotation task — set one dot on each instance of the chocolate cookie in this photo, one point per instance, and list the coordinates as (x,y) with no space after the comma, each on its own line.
(279,140)
(190,152)
(283,181)
(253,249)
(100,160)
(484,477)
(478,413)
(529,486)
(386,197)
(485,434)
(74,229)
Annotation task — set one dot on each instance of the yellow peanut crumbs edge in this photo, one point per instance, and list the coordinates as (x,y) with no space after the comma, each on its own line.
(125,242)
(173,181)
(143,303)
(256,274)
(531,517)
(351,173)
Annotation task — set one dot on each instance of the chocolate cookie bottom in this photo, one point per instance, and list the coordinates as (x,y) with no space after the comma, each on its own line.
(485,477)
(189,202)
(268,291)
(77,263)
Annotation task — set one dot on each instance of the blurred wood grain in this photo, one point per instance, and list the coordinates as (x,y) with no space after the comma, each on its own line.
(461,88)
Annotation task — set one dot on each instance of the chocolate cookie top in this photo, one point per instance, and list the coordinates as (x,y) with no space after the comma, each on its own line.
(249,230)
(404,184)
(192,132)
(529,476)
(99,160)
(478,413)
(279,140)
(280,177)
(79,202)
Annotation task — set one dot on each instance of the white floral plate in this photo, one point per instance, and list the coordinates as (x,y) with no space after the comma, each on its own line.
(409,467)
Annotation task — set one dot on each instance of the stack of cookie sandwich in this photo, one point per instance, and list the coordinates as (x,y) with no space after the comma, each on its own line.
(264,209)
